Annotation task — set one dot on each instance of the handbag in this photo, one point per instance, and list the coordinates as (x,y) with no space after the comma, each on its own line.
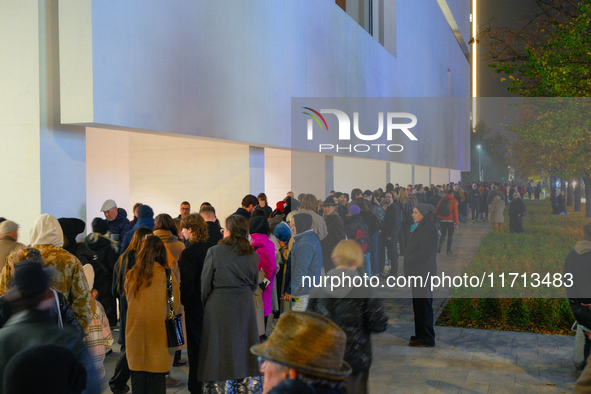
(174,327)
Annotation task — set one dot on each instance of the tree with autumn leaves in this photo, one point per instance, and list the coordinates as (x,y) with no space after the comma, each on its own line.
(550,58)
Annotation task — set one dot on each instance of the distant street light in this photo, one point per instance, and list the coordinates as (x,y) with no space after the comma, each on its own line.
(479,170)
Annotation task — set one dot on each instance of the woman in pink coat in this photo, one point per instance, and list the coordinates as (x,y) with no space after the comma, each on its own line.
(265,248)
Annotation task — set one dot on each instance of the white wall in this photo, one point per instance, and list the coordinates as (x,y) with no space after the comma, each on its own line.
(107,171)
(277,174)
(455,176)
(307,173)
(439,176)
(350,173)
(20,197)
(166,170)
(400,173)
(422,175)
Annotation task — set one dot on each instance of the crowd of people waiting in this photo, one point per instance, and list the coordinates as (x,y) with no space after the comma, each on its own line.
(228,281)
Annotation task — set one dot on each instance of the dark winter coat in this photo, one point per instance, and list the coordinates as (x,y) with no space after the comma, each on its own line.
(336,233)
(578,264)
(356,311)
(393,222)
(191,265)
(484,201)
(420,254)
(516,212)
(120,226)
(353,223)
(67,315)
(121,269)
(143,222)
(106,254)
(215,235)
(243,212)
(474,197)
(81,251)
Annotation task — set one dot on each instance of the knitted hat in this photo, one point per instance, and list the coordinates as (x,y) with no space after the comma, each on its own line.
(31,279)
(303,222)
(308,342)
(100,225)
(281,206)
(425,208)
(282,232)
(144,211)
(354,210)
(258,225)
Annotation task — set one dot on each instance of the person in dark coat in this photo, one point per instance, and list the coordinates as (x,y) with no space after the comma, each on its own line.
(517,211)
(392,227)
(537,191)
(33,325)
(560,208)
(214,229)
(474,201)
(194,229)
(354,309)
(336,232)
(119,225)
(145,216)
(355,222)
(420,259)
(228,282)
(483,204)
(71,227)
(106,253)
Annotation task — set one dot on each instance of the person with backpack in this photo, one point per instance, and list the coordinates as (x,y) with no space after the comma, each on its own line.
(447,212)
(357,230)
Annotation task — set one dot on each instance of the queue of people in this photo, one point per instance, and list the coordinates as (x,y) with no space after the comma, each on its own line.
(230,284)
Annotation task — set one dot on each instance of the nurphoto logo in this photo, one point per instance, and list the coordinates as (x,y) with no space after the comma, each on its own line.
(344,130)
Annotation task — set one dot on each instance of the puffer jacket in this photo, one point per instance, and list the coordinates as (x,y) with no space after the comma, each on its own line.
(356,311)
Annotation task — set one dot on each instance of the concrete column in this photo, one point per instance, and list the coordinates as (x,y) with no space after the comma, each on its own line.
(430,175)
(328,175)
(256,165)
(413,176)
(388,176)
(20,196)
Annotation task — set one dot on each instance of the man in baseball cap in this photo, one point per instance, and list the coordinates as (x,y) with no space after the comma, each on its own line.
(8,237)
(303,354)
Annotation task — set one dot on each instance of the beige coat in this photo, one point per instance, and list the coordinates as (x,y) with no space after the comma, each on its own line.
(495,211)
(145,334)
(7,245)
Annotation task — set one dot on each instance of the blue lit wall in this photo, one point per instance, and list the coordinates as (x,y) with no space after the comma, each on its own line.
(227,69)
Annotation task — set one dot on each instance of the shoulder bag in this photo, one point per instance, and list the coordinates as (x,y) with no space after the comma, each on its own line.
(174,327)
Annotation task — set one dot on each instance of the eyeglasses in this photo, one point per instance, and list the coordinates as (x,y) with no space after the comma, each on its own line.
(262,363)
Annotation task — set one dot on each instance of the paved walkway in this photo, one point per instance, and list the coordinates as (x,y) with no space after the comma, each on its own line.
(464,360)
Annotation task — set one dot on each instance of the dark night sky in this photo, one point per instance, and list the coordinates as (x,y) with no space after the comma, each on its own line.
(494,99)
(505,13)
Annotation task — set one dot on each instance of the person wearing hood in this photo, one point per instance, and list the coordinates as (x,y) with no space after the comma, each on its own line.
(355,310)
(265,248)
(145,216)
(578,265)
(306,260)
(48,238)
(420,259)
(309,205)
(71,227)
(119,225)
(355,226)
(336,232)
(106,252)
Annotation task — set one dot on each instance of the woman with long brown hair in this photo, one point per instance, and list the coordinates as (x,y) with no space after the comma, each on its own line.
(118,383)
(228,282)
(148,354)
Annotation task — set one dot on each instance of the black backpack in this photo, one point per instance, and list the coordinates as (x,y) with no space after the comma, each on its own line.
(444,207)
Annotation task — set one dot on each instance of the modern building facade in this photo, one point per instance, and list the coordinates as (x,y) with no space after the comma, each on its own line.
(162,101)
